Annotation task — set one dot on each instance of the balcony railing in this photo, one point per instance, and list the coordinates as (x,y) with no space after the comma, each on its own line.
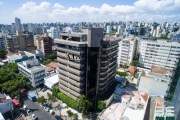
(105,49)
(72,51)
(74,77)
(73,64)
(69,69)
(71,81)
(63,55)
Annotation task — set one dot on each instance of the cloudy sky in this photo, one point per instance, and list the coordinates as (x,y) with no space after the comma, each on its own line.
(39,11)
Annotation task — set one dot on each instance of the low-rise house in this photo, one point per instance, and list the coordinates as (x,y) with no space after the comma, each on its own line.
(156,82)
(52,67)
(6,104)
(127,105)
(33,70)
(24,55)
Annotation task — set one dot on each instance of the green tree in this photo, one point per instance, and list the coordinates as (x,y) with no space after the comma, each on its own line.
(41,100)
(46,62)
(3,52)
(51,99)
(21,100)
(83,104)
(69,113)
(125,65)
(101,105)
(135,63)
(51,56)
(55,91)
(121,73)
(143,73)
(13,67)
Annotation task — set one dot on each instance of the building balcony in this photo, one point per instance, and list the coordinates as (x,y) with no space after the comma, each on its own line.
(106,49)
(63,55)
(104,87)
(63,87)
(74,94)
(73,64)
(71,81)
(112,68)
(63,83)
(104,82)
(112,52)
(75,52)
(74,77)
(76,89)
(68,94)
(69,69)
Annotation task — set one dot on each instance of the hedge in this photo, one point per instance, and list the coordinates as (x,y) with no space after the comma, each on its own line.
(69,101)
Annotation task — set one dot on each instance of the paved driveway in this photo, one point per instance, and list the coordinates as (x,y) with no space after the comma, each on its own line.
(38,111)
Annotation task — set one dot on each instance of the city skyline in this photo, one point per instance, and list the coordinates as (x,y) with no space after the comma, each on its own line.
(40,11)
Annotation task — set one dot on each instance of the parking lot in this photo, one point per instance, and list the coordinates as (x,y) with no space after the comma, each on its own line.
(38,111)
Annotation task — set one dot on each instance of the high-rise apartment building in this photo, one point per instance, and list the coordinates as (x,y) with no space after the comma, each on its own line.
(127,50)
(44,44)
(87,62)
(53,32)
(161,53)
(18,24)
(1,42)
(19,42)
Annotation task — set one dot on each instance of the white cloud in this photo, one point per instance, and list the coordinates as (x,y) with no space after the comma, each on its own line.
(1,3)
(58,6)
(142,10)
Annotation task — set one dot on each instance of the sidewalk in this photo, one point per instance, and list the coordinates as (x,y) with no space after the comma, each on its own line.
(56,104)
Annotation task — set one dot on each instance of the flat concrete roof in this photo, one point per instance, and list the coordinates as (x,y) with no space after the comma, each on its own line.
(159,76)
(35,67)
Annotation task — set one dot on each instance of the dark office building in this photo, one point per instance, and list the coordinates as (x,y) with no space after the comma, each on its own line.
(87,62)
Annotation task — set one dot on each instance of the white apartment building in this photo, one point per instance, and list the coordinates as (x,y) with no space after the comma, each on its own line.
(161,53)
(127,50)
(53,32)
(33,70)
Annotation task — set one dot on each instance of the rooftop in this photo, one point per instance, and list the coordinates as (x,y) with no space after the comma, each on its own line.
(119,111)
(35,67)
(4,98)
(160,70)
(159,76)
(50,67)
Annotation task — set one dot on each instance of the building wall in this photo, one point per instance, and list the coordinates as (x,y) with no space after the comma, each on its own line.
(127,50)
(44,44)
(36,76)
(161,53)
(2,42)
(6,106)
(153,87)
(19,43)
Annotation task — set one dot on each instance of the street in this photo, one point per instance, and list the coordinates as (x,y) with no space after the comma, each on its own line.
(38,110)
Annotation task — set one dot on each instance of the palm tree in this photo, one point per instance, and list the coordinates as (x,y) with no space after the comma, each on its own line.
(83,104)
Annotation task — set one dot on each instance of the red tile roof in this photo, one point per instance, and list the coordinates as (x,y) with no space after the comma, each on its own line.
(50,67)
(131,69)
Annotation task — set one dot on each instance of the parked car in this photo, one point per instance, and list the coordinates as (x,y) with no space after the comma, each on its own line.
(24,107)
(44,89)
(34,117)
(29,112)
(58,117)
(46,109)
(51,112)
(42,105)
